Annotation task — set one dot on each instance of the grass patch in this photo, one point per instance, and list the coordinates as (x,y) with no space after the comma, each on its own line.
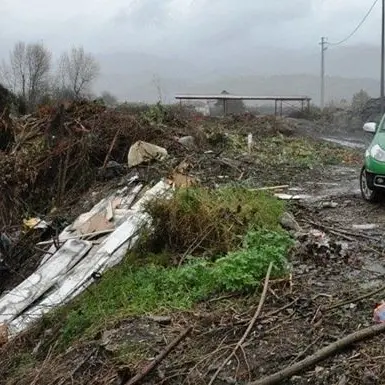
(208,222)
(280,150)
(129,290)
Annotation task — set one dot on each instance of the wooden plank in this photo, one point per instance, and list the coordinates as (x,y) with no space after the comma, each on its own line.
(109,211)
(110,252)
(70,231)
(31,289)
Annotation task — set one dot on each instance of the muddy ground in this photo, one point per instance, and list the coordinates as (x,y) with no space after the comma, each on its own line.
(319,304)
(312,316)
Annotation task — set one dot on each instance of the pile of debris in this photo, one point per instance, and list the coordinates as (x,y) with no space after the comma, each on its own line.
(97,240)
(57,153)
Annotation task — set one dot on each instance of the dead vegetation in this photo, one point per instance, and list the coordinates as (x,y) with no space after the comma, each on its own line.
(56,154)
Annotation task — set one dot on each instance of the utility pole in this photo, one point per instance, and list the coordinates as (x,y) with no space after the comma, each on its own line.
(383,59)
(323,49)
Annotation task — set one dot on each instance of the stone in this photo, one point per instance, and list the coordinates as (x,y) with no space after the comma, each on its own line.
(187,141)
(163,320)
(329,205)
(366,226)
(288,222)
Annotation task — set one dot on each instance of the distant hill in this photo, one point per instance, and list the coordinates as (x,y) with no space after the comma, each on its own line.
(137,76)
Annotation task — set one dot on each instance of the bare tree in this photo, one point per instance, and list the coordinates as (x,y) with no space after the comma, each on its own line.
(18,61)
(359,101)
(77,71)
(28,70)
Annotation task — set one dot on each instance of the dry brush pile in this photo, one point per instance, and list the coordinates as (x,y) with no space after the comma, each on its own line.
(54,154)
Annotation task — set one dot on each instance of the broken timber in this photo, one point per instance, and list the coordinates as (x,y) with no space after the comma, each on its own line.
(70,269)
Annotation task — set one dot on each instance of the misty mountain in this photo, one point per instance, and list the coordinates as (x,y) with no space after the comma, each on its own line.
(255,70)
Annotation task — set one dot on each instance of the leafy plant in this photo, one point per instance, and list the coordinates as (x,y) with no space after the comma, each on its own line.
(155,114)
(243,269)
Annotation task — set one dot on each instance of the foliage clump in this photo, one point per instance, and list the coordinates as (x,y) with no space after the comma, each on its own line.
(209,222)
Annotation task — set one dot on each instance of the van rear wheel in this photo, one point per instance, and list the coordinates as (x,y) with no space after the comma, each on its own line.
(367,193)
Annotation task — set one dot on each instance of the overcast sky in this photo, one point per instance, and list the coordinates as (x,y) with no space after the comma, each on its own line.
(184,27)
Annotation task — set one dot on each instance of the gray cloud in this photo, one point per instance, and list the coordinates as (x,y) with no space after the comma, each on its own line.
(144,13)
(181,37)
(173,24)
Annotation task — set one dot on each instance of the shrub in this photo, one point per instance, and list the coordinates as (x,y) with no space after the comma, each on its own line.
(212,222)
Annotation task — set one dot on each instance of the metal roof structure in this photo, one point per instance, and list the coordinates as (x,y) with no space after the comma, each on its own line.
(240,97)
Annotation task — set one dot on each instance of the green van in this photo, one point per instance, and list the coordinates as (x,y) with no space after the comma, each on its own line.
(372,177)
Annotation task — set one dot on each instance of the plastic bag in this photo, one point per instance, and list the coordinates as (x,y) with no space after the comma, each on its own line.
(379,313)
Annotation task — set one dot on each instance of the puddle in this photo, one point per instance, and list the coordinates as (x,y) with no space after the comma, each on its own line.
(346,142)
(372,284)
(375,267)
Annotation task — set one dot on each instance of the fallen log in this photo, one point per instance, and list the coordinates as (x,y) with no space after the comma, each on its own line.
(320,355)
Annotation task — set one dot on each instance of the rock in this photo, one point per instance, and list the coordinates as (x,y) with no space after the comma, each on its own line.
(375,267)
(106,341)
(163,320)
(187,141)
(343,380)
(329,205)
(367,226)
(288,222)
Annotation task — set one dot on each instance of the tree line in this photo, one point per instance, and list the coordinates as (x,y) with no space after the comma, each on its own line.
(31,74)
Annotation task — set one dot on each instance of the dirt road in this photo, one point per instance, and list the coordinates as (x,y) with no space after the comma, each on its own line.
(323,278)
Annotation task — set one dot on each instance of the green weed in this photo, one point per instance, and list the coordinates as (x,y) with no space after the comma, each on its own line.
(129,290)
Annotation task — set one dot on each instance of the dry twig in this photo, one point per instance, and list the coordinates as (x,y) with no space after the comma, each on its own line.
(321,355)
(139,377)
(360,298)
(251,325)
(111,147)
(343,233)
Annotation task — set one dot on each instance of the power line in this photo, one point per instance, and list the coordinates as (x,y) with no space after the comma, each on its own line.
(323,49)
(358,26)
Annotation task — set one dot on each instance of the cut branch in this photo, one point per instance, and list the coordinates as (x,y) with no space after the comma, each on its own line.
(321,355)
(158,359)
